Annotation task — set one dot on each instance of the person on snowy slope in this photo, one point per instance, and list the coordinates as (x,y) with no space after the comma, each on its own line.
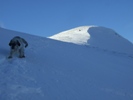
(17,45)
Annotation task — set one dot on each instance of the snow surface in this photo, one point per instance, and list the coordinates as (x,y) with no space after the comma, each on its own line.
(77,35)
(95,36)
(55,70)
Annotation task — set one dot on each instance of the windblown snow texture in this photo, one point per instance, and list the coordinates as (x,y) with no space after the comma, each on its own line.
(102,69)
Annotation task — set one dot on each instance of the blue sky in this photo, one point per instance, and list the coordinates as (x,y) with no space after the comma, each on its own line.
(49,17)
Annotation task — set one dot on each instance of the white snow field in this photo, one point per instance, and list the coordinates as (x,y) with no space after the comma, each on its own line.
(95,36)
(96,64)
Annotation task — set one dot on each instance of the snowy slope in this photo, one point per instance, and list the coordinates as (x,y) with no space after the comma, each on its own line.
(76,35)
(99,37)
(54,70)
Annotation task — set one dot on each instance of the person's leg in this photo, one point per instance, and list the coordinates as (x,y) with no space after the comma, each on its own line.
(21,53)
(11,53)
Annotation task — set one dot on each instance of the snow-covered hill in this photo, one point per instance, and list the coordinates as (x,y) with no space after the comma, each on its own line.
(95,36)
(55,70)
(76,35)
